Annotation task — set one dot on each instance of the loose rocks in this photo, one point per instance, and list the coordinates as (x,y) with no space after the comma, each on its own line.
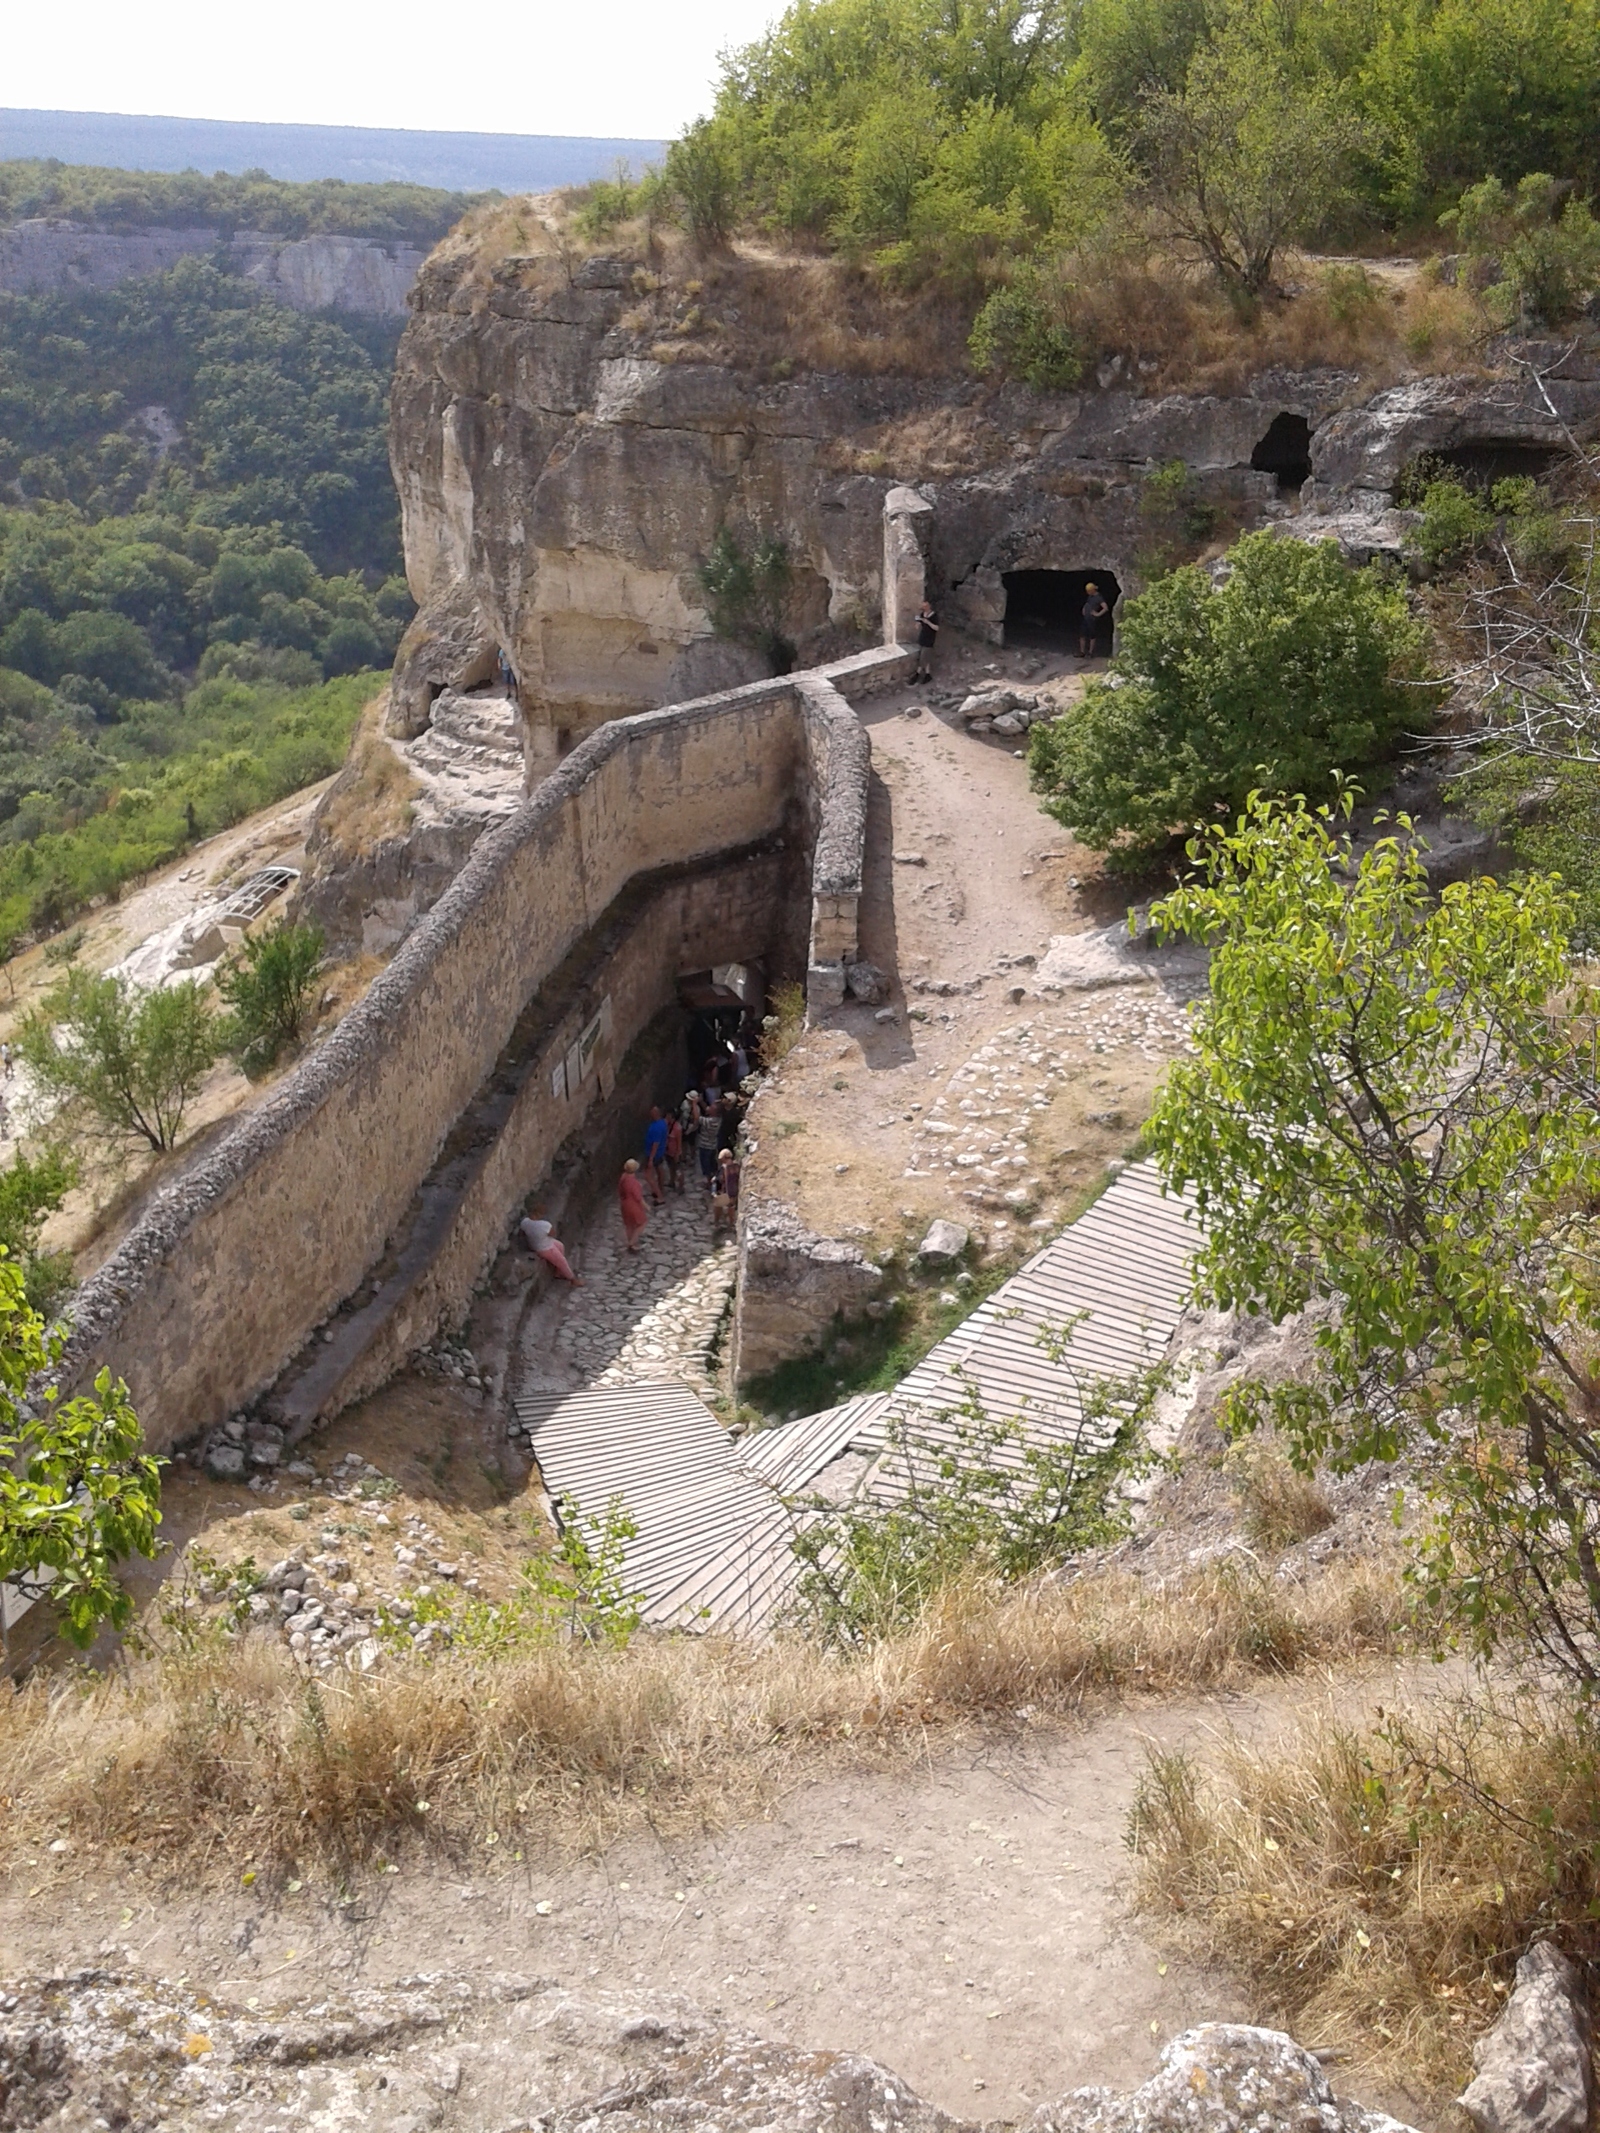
(945,1240)
(866,982)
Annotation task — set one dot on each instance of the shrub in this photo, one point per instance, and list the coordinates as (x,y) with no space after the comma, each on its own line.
(269,989)
(122,1065)
(1546,248)
(1022,332)
(977,1500)
(1293,669)
(747,596)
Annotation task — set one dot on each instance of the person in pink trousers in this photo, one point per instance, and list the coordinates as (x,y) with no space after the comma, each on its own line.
(541,1240)
(630,1198)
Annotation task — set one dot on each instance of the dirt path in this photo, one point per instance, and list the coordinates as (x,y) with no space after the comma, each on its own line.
(967,881)
(965,1921)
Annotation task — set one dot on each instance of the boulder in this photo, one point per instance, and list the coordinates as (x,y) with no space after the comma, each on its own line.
(1221,2077)
(1011,723)
(225,1461)
(866,982)
(1534,2071)
(945,1240)
(988,703)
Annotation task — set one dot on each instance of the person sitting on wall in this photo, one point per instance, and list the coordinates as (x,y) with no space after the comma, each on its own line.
(540,1238)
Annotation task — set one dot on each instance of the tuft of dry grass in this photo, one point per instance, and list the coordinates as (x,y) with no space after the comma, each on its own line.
(371,798)
(231,1753)
(1376,1885)
(1278,1504)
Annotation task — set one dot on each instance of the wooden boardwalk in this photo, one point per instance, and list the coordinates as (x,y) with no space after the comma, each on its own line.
(713,1547)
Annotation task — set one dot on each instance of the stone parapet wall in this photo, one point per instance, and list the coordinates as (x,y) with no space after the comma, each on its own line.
(222,1280)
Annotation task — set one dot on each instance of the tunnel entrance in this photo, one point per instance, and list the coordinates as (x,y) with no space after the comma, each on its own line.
(1285,451)
(1044,608)
(1483,463)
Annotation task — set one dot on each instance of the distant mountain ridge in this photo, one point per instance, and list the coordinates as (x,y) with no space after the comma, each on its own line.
(460,162)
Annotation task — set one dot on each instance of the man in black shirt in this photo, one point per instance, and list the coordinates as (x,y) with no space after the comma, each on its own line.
(1096,616)
(927,638)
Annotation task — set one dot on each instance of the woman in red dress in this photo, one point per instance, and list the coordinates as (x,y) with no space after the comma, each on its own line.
(630,1198)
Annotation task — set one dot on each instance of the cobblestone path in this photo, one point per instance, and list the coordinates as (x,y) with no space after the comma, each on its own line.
(648,1317)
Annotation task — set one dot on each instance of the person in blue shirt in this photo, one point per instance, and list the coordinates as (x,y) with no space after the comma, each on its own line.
(655,1152)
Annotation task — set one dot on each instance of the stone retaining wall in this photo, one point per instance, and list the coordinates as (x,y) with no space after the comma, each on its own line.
(220,1283)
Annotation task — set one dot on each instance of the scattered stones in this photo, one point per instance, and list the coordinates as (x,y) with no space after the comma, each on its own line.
(945,1240)
(224,1461)
(866,982)
(911,859)
(1534,2068)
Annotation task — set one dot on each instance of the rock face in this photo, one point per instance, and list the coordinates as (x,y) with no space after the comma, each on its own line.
(323,273)
(564,466)
(1535,2073)
(96,2048)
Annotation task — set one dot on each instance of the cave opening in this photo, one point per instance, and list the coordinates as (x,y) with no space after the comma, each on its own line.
(1044,608)
(1483,461)
(1285,451)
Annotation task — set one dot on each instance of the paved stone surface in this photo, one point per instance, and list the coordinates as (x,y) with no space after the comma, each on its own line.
(639,1317)
(978,1133)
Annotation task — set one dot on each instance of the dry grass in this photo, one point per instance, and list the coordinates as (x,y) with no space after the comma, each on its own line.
(205,1760)
(371,798)
(1278,1504)
(1156,327)
(1377,1886)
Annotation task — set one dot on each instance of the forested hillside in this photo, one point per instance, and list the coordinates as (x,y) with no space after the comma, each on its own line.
(130,199)
(198,531)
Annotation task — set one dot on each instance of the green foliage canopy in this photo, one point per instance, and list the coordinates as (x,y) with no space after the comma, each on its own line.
(1293,669)
(78,1492)
(1394,1119)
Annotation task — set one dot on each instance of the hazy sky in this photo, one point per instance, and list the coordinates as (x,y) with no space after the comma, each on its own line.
(635,68)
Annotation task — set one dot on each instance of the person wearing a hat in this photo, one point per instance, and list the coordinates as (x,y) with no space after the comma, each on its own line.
(1096,613)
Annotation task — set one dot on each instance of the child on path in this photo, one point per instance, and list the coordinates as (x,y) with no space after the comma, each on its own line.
(630,1199)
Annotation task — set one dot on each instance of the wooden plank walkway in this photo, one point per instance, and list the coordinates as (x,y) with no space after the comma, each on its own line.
(713,1547)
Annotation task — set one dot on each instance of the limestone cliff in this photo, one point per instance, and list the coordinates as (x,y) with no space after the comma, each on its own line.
(318,273)
(569,436)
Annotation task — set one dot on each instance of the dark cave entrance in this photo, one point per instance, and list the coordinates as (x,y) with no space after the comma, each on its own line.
(1285,451)
(1044,608)
(1487,460)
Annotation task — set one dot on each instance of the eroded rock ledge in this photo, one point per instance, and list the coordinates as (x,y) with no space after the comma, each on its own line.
(95,2048)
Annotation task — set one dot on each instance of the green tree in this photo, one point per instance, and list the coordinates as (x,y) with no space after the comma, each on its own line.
(78,1492)
(120,1063)
(270,988)
(1294,668)
(1393,1123)
(1242,159)
(747,595)
(31,1189)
